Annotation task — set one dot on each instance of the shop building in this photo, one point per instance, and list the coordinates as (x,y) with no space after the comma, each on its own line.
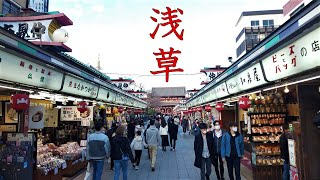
(253,26)
(49,100)
(275,83)
(211,73)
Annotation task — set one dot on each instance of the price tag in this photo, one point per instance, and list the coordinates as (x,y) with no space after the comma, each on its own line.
(64,165)
(55,171)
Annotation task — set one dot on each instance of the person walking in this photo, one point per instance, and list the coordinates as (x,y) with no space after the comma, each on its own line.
(164,135)
(131,130)
(139,127)
(137,146)
(153,141)
(217,138)
(98,148)
(121,153)
(184,125)
(204,151)
(284,152)
(232,149)
(111,133)
(173,132)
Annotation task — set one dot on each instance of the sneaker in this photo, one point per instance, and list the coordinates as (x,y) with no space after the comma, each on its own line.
(136,168)
(112,169)
(152,169)
(173,150)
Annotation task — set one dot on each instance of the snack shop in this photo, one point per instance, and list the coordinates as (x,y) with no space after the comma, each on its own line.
(276,83)
(48,104)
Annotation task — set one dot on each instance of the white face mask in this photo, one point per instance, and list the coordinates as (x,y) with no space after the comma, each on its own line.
(235,129)
(217,127)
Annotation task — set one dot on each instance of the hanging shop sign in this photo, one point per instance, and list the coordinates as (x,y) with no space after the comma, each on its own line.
(36,117)
(244,103)
(82,106)
(20,102)
(71,113)
(301,55)
(247,79)
(27,72)
(79,87)
(106,95)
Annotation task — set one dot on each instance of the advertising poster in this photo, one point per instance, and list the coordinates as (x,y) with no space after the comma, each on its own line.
(11,114)
(36,117)
(51,117)
(71,113)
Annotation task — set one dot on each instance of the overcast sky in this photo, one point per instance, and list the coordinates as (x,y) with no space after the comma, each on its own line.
(119,30)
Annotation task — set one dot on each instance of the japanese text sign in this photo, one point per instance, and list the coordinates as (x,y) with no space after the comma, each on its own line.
(292,152)
(301,55)
(249,78)
(71,113)
(79,87)
(167,59)
(27,72)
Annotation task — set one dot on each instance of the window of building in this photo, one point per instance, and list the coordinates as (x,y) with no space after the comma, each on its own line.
(268,22)
(241,48)
(255,23)
(9,7)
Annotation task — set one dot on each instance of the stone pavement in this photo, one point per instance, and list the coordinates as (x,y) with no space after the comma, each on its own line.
(170,165)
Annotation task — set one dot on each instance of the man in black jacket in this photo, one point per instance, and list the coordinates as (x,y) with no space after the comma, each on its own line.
(205,152)
(217,137)
(284,152)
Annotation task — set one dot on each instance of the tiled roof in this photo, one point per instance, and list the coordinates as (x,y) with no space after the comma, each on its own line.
(169,91)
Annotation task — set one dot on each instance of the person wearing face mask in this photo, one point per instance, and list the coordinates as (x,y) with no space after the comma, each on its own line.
(217,138)
(204,151)
(232,149)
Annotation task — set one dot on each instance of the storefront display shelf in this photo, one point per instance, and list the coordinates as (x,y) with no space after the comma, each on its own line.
(267,142)
(250,114)
(257,134)
(260,125)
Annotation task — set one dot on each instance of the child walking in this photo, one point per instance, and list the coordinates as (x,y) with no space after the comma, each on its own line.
(137,145)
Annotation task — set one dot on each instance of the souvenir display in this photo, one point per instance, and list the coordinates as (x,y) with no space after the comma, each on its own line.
(266,129)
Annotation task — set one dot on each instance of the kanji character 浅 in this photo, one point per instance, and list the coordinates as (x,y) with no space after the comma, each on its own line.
(167,60)
(170,18)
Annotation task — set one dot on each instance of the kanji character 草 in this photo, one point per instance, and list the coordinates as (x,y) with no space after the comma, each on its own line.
(167,60)
(170,18)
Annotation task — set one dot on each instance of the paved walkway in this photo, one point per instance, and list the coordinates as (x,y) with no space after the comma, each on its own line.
(170,165)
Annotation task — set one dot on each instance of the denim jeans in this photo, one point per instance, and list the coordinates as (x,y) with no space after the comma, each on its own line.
(286,170)
(205,168)
(118,164)
(233,162)
(97,169)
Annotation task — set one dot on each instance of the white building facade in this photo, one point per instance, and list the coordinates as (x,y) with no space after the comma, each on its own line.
(253,26)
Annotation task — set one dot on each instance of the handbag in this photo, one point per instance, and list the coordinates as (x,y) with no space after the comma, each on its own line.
(88,174)
(125,156)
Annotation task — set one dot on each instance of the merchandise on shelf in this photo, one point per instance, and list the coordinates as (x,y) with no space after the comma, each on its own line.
(267,129)
(269,160)
(267,150)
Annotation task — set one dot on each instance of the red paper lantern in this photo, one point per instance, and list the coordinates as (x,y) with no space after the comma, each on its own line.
(20,102)
(82,106)
(244,103)
(190,111)
(208,108)
(120,109)
(220,106)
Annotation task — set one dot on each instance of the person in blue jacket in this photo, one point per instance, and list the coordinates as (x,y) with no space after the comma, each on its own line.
(232,149)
